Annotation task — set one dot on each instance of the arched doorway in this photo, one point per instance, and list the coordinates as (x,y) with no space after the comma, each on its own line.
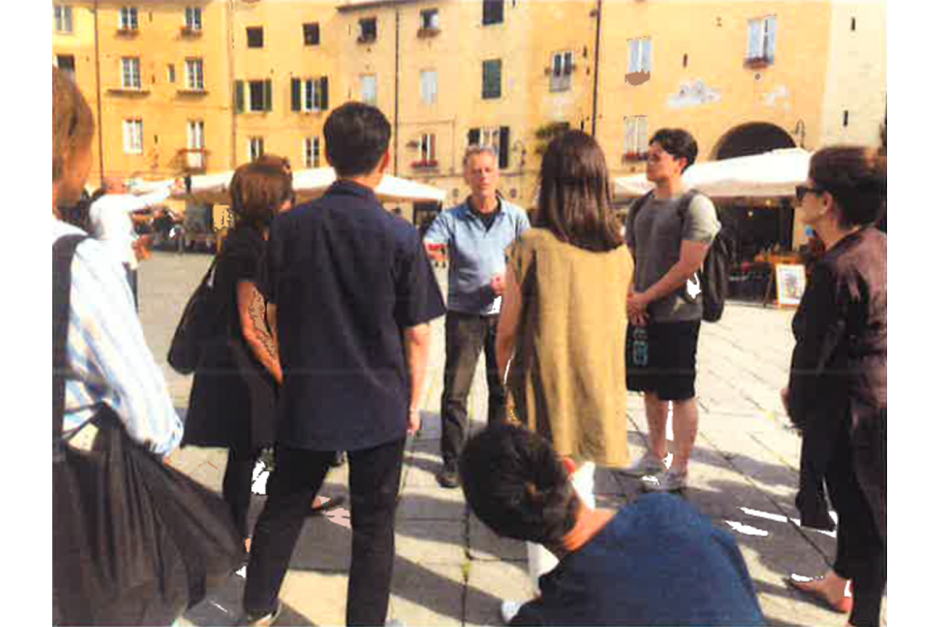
(762,229)
(752,139)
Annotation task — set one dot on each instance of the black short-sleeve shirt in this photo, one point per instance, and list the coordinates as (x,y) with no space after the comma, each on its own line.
(347,278)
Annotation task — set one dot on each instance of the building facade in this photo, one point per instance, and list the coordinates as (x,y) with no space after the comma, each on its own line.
(191,86)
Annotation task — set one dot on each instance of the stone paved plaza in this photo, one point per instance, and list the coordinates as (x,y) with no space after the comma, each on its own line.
(450,570)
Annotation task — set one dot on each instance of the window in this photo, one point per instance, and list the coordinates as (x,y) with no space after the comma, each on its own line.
(492,12)
(367,89)
(194,75)
(195,135)
(368,30)
(429,86)
(66,63)
(134,137)
(171,73)
(636,142)
(63,18)
(562,67)
(496,137)
(255,147)
(193,18)
(130,73)
(492,78)
(312,34)
(259,96)
(429,19)
(311,152)
(762,39)
(428,149)
(310,94)
(641,55)
(255,36)
(195,144)
(128,18)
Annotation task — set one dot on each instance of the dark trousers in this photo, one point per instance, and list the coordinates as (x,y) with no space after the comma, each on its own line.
(861,553)
(236,486)
(465,336)
(374,477)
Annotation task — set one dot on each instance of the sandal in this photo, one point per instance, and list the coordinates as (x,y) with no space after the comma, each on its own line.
(323,504)
(810,587)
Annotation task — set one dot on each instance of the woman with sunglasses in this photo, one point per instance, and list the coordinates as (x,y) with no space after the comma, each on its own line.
(838,393)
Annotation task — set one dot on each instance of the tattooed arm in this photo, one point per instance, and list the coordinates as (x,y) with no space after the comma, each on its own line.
(251,312)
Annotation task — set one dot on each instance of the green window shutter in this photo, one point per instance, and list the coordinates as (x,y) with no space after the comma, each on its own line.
(239,96)
(473,137)
(503,147)
(324,94)
(295,94)
(267,94)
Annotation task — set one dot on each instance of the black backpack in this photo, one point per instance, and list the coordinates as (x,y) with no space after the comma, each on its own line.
(713,276)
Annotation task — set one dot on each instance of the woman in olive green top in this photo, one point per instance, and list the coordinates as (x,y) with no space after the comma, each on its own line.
(564,315)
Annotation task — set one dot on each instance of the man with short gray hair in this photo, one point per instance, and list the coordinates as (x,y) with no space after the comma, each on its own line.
(474,235)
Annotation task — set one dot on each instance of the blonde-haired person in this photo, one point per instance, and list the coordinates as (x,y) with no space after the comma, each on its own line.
(233,399)
(110,367)
(838,390)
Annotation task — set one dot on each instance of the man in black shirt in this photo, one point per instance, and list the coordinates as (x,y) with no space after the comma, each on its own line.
(352,292)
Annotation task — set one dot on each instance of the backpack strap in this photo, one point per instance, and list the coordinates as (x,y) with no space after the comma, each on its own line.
(62,253)
(635,209)
(684,203)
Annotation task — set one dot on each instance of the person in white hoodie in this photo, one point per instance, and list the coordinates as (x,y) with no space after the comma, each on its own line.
(112,224)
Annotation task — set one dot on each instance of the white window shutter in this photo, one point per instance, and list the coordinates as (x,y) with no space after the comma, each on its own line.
(629,144)
(754,38)
(641,134)
(771,37)
(634,56)
(646,64)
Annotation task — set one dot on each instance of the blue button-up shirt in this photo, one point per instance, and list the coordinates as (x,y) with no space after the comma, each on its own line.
(108,358)
(476,254)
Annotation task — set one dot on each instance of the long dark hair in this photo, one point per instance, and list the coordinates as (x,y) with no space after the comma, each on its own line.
(574,194)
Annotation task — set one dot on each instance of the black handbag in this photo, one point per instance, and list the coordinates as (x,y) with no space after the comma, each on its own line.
(198,325)
(134,542)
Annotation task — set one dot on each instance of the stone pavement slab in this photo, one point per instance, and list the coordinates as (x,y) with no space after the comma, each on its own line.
(450,569)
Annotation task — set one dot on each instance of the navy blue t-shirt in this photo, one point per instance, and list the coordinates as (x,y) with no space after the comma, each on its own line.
(347,278)
(657,562)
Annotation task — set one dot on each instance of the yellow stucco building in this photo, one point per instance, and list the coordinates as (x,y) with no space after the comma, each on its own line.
(190,85)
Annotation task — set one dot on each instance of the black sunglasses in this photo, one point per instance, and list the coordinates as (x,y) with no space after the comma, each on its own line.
(802,190)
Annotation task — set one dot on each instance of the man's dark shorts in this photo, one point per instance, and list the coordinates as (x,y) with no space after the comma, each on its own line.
(667,365)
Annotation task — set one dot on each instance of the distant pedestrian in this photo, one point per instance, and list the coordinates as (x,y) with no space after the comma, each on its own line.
(564,320)
(838,390)
(112,222)
(111,372)
(655,561)
(351,293)
(473,236)
(669,244)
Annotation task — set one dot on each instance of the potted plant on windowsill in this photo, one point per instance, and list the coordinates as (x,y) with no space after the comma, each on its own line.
(189,31)
(424,33)
(756,63)
(424,165)
(633,156)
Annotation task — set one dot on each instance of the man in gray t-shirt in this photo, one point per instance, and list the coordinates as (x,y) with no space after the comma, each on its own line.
(669,244)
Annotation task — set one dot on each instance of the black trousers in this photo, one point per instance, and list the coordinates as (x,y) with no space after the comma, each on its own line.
(374,478)
(236,486)
(861,553)
(465,336)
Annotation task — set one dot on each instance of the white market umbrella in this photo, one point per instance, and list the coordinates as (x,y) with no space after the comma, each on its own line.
(308,184)
(770,174)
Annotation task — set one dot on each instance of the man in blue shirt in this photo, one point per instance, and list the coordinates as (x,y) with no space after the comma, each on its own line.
(350,292)
(475,235)
(656,561)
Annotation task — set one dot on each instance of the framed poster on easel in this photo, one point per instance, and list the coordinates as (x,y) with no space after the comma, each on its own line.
(791,283)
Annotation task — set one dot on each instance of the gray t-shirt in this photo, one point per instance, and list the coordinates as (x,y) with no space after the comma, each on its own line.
(656,239)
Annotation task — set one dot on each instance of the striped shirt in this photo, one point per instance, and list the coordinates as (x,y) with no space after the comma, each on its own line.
(108,358)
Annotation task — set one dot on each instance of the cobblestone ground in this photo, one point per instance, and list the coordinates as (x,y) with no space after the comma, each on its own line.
(450,570)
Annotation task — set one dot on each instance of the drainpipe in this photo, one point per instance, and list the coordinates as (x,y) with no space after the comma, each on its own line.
(597,66)
(230,53)
(98,99)
(397,28)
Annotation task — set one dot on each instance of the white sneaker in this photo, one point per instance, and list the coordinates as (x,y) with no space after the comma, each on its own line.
(508,610)
(666,481)
(649,464)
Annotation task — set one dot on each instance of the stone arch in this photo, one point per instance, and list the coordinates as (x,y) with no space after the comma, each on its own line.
(752,139)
